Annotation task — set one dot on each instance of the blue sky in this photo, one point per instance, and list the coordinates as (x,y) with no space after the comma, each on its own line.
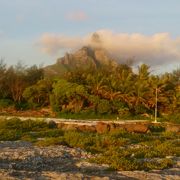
(24,22)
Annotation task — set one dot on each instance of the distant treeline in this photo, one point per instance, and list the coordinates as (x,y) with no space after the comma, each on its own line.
(106,90)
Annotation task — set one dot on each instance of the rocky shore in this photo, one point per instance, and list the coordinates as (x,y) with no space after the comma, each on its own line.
(22,160)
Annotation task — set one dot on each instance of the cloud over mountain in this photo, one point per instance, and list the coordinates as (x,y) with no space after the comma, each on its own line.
(51,43)
(156,49)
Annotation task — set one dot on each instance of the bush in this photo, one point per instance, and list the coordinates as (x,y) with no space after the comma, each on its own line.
(156,128)
(125,164)
(52,124)
(24,126)
(5,103)
(140,109)
(34,125)
(157,164)
(174,118)
(22,106)
(11,124)
(103,107)
(118,163)
(79,139)
(10,135)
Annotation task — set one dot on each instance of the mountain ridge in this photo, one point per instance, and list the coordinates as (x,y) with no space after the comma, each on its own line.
(84,58)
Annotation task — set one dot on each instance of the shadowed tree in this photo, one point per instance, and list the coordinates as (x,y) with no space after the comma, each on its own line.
(67,96)
(3,88)
(38,95)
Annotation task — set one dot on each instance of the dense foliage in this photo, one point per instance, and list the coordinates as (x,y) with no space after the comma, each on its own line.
(107,90)
(120,149)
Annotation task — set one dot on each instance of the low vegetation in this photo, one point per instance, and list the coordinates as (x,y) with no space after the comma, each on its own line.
(120,149)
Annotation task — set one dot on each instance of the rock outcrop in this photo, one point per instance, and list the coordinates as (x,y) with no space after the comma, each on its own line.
(103,127)
(22,160)
(84,58)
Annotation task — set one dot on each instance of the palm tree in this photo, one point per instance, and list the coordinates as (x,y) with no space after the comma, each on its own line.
(96,83)
(140,90)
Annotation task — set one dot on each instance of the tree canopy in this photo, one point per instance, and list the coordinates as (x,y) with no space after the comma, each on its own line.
(105,90)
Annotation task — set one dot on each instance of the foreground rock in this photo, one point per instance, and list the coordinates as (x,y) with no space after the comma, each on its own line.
(22,160)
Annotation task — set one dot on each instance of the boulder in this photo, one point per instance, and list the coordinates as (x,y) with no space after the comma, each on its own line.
(70,127)
(113,126)
(136,127)
(60,125)
(87,128)
(116,126)
(67,126)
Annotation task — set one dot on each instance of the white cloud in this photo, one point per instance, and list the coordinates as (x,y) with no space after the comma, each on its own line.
(155,49)
(52,43)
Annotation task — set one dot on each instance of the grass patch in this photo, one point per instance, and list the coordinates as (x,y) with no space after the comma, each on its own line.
(173,118)
(51,142)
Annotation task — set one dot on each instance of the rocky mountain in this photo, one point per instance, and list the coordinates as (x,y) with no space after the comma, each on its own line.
(84,58)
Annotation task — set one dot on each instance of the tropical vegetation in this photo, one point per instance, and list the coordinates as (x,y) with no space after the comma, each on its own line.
(112,91)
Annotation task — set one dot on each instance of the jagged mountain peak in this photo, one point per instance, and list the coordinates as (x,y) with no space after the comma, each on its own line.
(85,57)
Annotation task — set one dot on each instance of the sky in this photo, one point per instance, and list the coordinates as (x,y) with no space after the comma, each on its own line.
(40,31)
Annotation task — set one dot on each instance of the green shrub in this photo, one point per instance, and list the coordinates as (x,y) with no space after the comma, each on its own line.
(118,163)
(22,106)
(11,124)
(103,106)
(25,126)
(174,118)
(52,124)
(157,164)
(156,128)
(140,109)
(34,125)
(5,103)
(79,139)
(108,141)
(167,135)
(125,164)
(9,135)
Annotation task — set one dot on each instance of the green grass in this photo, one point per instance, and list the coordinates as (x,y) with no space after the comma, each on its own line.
(174,118)
(120,149)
